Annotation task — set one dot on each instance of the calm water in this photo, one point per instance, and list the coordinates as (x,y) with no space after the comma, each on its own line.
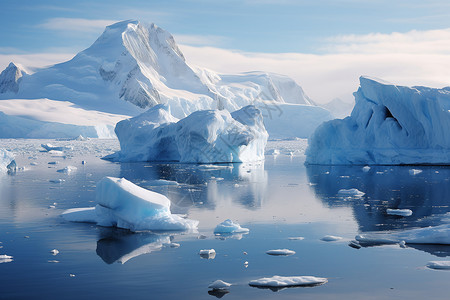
(278,199)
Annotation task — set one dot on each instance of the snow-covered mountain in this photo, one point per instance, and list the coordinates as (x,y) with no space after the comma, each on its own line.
(133,66)
(339,108)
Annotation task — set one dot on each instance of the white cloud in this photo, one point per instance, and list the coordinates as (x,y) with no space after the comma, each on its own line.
(36,60)
(200,40)
(75,24)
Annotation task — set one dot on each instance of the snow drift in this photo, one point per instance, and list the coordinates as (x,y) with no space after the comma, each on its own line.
(133,66)
(389,125)
(209,136)
(123,204)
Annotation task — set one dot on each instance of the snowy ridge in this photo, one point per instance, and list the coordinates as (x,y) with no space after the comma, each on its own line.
(134,66)
(389,125)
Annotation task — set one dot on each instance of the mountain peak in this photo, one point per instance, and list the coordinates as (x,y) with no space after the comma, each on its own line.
(10,77)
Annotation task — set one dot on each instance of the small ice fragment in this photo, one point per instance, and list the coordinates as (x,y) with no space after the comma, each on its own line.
(53,162)
(331,238)
(439,265)
(399,212)
(402,244)
(174,245)
(54,252)
(59,180)
(414,171)
(67,170)
(366,169)
(245,253)
(53,261)
(33,163)
(236,185)
(246,263)
(83,162)
(51,206)
(351,193)
(72,275)
(207,253)
(296,238)
(219,285)
(354,244)
(228,226)
(5,258)
(284,252)
(288,281)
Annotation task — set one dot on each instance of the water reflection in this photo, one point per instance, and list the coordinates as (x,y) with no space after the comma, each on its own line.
(116,245)
(426,194)
(203,185)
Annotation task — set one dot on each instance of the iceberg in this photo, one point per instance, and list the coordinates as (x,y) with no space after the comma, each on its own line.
(228,226)
(331,238)
(439,265)
(7,161)
(208,136)
(389,125)
(288,281)
(219,285)
(122,204)
(351,193)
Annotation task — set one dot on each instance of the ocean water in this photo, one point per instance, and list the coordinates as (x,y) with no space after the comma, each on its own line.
(277,199)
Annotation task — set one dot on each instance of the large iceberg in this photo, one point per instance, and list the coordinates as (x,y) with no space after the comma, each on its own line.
(122,204)
(389,125)
(208,136)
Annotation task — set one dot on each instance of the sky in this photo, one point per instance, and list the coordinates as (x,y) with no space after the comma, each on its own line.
(325,45)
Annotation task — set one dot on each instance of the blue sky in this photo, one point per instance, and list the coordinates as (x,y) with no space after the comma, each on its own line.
(252,29)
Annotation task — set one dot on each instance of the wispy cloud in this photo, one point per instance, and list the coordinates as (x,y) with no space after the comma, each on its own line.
(201,40)
(36,60)
(75,24)
(415,41)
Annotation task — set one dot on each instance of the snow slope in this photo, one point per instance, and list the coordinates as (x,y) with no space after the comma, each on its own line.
(133,66)
(389,125)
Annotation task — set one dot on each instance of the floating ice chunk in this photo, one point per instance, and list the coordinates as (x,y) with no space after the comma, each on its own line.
(162,182)
(207,253)
(366,169)
(331,238)
(296,238)
(120,203)
(228,226)
(5,258)
(428,235)
(59,180)
(50,147)
(351,193)
(54,252)
(7,162)
(174,245)
(354,244)
(219,285)
(439,265)
(288,281)
(67,170)
(83,162)
(399,212)
(53,162)
(280,252)
(414,172)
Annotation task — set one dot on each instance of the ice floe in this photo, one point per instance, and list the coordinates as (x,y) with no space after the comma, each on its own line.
(414,172)
(5,258)
(287,281)
(207,253)
(399,212)
(67,170)
(219,285)
(427,235)
(351,193)
(439,265)
(280,252)
(331,238)
(122,204)
(228,226)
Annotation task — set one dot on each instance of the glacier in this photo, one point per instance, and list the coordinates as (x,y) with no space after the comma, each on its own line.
(132,67)
(389,125)
(122,204)
(206,136)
